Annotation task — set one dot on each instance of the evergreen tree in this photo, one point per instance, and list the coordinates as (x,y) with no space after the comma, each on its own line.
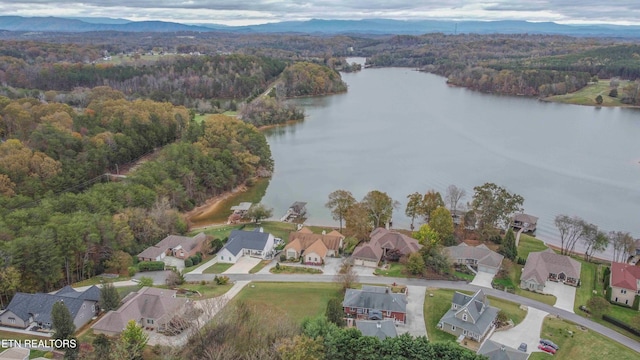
(62,322)
(508,248)
(109,297)
(335,312)
(134,340)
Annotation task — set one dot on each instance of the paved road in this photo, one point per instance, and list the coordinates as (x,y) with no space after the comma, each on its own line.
(455,285)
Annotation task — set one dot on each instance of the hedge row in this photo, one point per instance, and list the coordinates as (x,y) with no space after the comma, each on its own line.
(621,324)
(150,265)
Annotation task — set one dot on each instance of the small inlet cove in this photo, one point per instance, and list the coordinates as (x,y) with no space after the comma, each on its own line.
(400,131)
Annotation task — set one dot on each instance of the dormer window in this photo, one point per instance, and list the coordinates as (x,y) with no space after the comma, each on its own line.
(455,306)
(464,317)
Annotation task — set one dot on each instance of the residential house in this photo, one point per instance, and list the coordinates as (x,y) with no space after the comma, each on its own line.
(625,283)
(252,243)
(382,241)
(15,353)
(375,303)
(181,247)
(27,309)
(480,257)
(470,316)
(313,247)
(151,308)
(381,329)
(497,351)
(547,265)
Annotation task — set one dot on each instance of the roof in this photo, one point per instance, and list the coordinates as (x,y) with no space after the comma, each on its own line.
(625,276)
(394,240)
(336,233)
(638,244)
(304,230)
(243,206)
(91,294)
(542,263)
(497,351)
(239,239)
(375,297)
(317,247)
(40,305)
(368,251)
(481,253)
(306,239)
(381,329)
(147,302)
(15,353)
(298,206)
(477,305)
(170,242)
(525,218)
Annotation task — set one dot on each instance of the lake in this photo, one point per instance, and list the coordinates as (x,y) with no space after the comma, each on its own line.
(401,131)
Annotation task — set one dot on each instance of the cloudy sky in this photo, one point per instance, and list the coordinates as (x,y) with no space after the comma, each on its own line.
(246,12)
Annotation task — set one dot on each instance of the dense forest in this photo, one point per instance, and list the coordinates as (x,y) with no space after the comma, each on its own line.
(61,221)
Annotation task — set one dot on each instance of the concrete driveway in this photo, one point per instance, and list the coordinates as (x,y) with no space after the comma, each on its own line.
(158,277)
(528,331)
(415,312)
(243,265)
(565,295)
(174,261)
(483,279)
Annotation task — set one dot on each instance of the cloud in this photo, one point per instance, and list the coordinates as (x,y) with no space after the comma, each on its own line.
(260,11)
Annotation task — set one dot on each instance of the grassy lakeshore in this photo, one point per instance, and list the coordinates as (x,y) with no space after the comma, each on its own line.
(587,95)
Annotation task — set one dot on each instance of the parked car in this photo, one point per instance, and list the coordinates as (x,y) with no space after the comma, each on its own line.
(547,348)
(523,347)
(549,343)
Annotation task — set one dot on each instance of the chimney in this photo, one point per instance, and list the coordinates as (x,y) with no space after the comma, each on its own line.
(503,348)
(379,325)
(324,232)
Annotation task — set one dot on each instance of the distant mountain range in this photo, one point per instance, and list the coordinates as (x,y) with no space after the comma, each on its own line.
(369,26)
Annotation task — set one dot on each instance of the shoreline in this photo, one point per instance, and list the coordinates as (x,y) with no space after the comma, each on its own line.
(210,207)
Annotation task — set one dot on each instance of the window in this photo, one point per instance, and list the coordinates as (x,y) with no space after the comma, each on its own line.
(623,291)
(359,311)
(12,320)
(388,313)
(464,332)
(221,257)
(150,321)
(84,306)
(453,328)
(464,317)
(455,306)
(93,308)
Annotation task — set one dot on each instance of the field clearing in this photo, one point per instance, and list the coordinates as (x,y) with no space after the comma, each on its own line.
(587,95)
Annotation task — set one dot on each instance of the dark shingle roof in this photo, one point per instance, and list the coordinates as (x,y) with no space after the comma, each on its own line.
(92,293)
(375,297)
(474,305)
(239,240)
(381,329)
(497,351)
(40,305)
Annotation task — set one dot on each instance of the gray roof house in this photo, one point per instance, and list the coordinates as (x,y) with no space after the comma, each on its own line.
(497,351)
(151,308)
(381,329)
(480,257)
(547,265)
(375,303)
(253,243)
(25,309)
(469,316)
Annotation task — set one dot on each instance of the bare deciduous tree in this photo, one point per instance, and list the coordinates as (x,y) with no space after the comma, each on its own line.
(453,196)
(347,276)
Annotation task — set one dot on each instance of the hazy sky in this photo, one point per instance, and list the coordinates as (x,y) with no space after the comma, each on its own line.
(245,12)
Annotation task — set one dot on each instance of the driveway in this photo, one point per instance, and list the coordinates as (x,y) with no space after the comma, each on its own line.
(483,279)
(565,295)
(528,331)
(173,261)
(243,265)
(415,312)
(158,277)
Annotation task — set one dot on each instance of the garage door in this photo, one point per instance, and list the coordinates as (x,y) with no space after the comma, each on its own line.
(487,269)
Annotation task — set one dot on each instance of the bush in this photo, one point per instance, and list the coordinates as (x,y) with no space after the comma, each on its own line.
(132,270)
(283,257)
(195,260)
(521,261)
(151,266)
(188,262)
(221,280)
(621,324)
(496,239)
(278,266)
(613,93)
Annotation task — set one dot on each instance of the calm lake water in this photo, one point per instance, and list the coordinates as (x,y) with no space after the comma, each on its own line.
(401,131)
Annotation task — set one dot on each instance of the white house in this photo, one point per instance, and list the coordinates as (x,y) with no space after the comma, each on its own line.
(253,243)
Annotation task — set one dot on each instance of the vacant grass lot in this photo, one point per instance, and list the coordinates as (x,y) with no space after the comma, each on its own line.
(298,300)
(583,345)
(395,270)
(437,305)
(283,269)
(260,266)
(217,268)
(587,95)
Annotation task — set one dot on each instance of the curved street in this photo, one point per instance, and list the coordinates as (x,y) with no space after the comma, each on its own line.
(454,285)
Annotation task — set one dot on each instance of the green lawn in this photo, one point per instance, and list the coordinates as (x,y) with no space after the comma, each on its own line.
(529,244)
(260,266)
(217,268)
(283,269)
(208,290)
(99,280)
(395,270)
(298,300)
(278,229)
(583,344)
(464,276)
(437,305)
(587,95)
(125,290)
(205,258)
